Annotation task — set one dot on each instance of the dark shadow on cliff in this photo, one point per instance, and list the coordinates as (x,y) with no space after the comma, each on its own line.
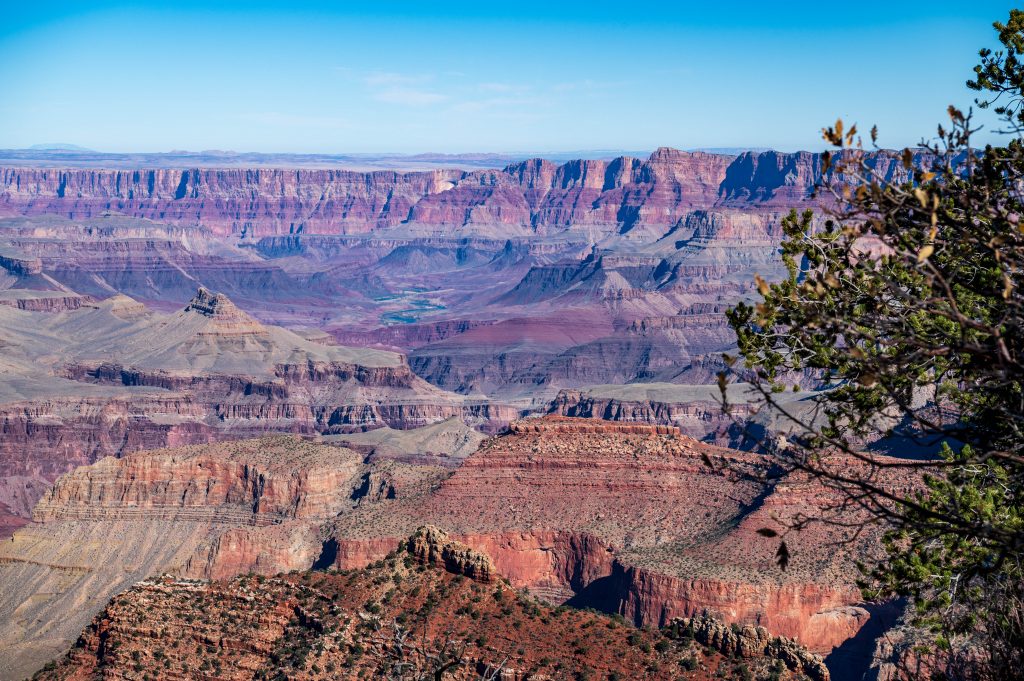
(851,661)
(328,555)
(603,594)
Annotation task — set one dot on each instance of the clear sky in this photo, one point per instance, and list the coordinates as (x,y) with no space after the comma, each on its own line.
(455,76)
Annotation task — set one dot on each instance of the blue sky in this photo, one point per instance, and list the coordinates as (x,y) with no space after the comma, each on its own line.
(454,76)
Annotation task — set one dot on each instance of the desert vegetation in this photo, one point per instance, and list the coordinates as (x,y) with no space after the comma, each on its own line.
(405,617)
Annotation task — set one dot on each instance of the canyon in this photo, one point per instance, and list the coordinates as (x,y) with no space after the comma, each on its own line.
(511,283)
(534,194)
(617,195)
(626,518)
(212,372)
(499,291)
(112,377)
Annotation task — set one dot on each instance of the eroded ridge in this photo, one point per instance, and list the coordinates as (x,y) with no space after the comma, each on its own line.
(413,611)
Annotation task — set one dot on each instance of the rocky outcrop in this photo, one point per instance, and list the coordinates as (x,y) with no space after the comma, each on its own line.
(819,616)
(228,319)
(446,444)
(356,553)
(20,264)
(44,438)
(432,546)
(366,623)
(555,565)
(232,549)
(750,642)
(694,410)
(40,301)
(263,624)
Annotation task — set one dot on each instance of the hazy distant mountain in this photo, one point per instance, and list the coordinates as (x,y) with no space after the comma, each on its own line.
(70,155)
(59,146)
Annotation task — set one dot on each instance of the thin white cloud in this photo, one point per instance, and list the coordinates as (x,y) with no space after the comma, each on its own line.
(288,120)
(409,97)
(491,103)
(403,89)
(394,79)
(502,87)
(586,85)
(426,89)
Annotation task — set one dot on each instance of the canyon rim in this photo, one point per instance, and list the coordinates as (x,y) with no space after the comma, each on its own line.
(686,391)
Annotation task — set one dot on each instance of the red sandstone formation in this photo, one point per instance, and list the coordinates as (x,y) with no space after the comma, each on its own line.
(630,519)
(392,618)
(556,425)
(260,482)
(624,517)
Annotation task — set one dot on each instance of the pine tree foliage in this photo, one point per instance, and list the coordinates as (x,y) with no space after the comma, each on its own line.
(904,308)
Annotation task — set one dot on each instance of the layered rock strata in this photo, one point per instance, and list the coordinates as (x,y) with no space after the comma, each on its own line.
(626,518)
(205,512)
(113,377)
(636,520)
(623,194)
(397,617)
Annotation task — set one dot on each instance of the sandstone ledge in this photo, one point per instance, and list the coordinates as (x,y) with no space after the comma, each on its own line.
(553,424)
